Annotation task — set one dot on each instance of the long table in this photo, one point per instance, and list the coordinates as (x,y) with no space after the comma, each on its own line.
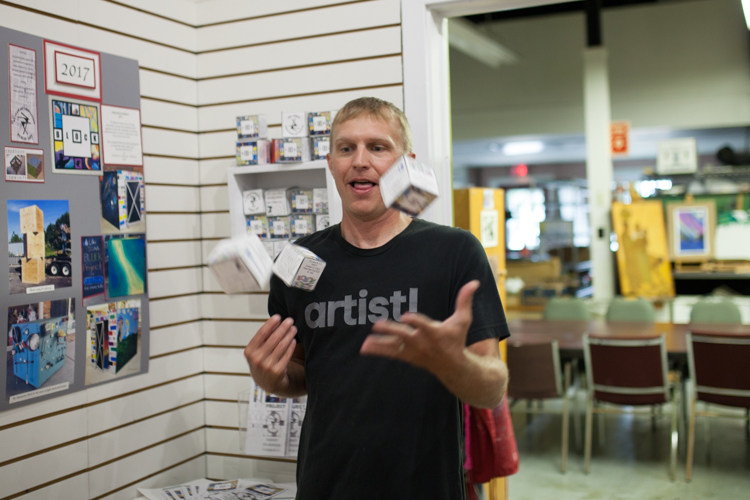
(569,334)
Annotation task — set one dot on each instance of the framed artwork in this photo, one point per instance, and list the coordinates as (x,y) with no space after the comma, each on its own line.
(72,72)
(691,231)
(642,254)
(24,121)
(24,165)
(75,128)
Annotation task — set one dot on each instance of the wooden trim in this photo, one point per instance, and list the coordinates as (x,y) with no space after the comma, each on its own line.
(156,299)
(167,73)
(279,13)
(154,155)
(174,324)
(174,185)
(176,213)
(160,269)
(230,374)
(170,129)
(322,92)
(295,39)
(156,99)
(135,452)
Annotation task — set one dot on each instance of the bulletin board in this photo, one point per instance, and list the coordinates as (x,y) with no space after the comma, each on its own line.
(74,295)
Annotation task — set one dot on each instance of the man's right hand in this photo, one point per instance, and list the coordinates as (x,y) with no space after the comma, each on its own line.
(269,353)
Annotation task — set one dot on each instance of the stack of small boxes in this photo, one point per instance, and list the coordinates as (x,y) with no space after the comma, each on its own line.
(32,228)
(305,137)
(278,216)
(253,146)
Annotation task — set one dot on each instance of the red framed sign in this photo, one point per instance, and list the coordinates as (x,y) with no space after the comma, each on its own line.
(72,71)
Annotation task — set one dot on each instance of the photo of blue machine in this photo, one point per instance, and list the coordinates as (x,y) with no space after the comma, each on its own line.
(38,349)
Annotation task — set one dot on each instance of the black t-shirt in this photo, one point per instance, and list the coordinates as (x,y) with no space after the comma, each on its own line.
(375,427)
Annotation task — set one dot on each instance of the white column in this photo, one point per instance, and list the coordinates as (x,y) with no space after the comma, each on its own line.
(598,168)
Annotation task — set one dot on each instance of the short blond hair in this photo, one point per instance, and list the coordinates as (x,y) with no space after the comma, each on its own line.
(376,108)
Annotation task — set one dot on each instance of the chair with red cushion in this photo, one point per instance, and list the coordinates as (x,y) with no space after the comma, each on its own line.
(535,375)
(718,364)
(628,371)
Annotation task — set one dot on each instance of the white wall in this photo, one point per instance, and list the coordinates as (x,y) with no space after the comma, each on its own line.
(675,64)
(201,65)
(311,60)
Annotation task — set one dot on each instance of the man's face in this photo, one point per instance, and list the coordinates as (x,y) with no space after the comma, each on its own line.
(363,150)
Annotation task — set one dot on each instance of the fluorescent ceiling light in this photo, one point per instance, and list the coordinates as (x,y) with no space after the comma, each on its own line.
(464,36)
(522,148)
(746,9)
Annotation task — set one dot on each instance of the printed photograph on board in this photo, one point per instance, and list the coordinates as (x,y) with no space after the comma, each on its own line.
(39,245)
(92,269)
(75,137)
(113,334)
(24,165)
(125,265)
(41,349)
(123,200)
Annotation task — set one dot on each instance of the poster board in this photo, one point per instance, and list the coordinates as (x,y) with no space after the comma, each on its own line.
(52,281)
(691,228)
(642,253)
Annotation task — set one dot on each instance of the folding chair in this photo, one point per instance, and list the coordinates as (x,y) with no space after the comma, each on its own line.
(719,375)
(628,371)
(535,375)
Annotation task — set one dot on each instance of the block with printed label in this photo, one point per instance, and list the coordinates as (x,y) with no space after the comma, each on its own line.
(278,227)
(320,200)
(302,225)
(277,202)
(258,225)
(302,201)
(322,221)
(291,150)
(253,202)
(252,127)
(319,123)
(294,124)
(321,146)
(298,267)
(257,152)
(408,186)
(241,265)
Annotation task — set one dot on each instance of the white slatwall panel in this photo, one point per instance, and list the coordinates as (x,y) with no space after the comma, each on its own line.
(220,117)
(171,171)
(300,24)
(324,78)
(150,430)
(220,11)
(325,49)
(176,338)
(322,72)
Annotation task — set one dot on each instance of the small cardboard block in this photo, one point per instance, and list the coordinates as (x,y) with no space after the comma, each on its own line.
(278,227)
(254,152)
(320,200)
(322,221)
(301,225)
(253,202)
(258,225)
(32,220)
(277,202)
(408,186)
(32,270)
(302,201)
(33,245)
(252,127)
(291,150)
(241,265)
(294,124)
(321,146)
(319,123)
(298,267)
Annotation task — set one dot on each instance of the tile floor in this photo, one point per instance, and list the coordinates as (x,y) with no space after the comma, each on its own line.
(632,464)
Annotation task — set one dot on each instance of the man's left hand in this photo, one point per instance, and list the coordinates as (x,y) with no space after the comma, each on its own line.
(421,341)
